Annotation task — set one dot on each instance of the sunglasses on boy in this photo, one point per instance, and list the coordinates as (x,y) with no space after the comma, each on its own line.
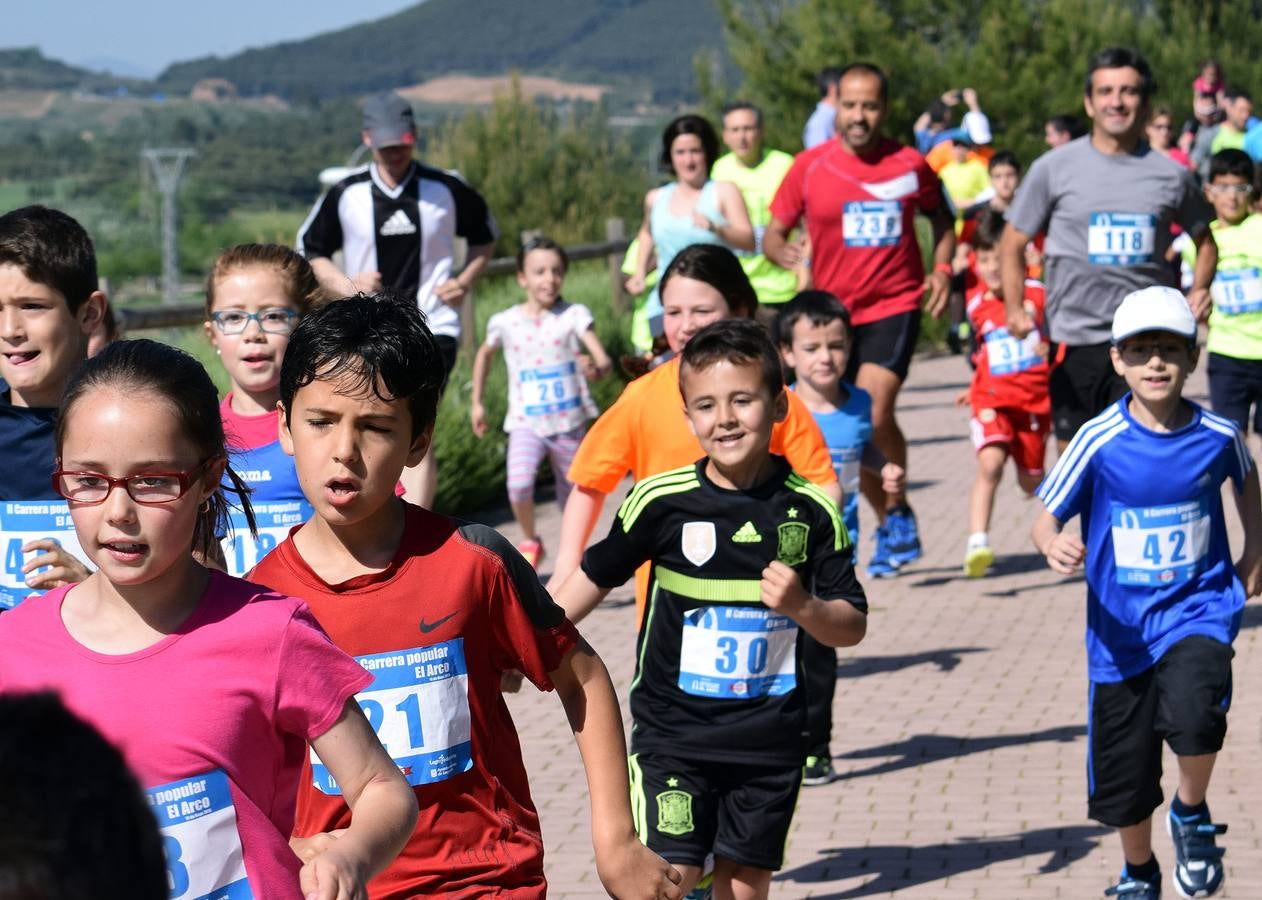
(276,320)
(146,488)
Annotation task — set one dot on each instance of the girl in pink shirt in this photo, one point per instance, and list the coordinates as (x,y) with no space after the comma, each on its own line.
(211,687)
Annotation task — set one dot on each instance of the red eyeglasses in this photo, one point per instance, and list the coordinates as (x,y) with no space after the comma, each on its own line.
(148,488)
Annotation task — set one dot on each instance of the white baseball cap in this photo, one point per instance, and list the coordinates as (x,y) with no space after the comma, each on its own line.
(1154,308)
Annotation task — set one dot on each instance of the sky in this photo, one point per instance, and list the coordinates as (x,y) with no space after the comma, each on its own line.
(144,36)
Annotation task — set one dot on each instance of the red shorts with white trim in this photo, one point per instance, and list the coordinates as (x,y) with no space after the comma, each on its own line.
(1024,433)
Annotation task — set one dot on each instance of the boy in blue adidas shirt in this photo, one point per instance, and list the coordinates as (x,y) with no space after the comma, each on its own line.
(814,334)
(1163,598)
(746,556)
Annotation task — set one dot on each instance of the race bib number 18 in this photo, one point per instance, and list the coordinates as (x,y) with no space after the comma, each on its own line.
(737,652)
(22,521)
(872,223)
(199,834)
(1120,239)
(419,707)
(1160,545)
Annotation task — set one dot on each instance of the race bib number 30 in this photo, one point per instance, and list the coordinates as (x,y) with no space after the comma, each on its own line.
(1007,356)
(737,652)
(872,223)
(22,521)
(1160,545)
(274,519)
(1120,239)
(549,389)
(419,707)
(199,834)
(1237,292)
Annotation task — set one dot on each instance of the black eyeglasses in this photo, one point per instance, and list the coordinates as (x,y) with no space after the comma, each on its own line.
(147,488)
(276,320)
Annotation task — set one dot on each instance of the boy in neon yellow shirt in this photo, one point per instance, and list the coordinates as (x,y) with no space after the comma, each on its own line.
(1235,326)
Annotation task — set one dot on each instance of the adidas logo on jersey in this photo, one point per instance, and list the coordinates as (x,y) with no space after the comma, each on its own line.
(747,534)
(397,224)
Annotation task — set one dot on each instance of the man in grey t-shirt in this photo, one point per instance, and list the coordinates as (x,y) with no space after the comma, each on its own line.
(1106,203)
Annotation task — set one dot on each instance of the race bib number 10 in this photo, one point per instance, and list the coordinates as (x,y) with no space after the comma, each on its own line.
(22,521)
(1160,545)
(419,707)
(872,223)
(199,834)
(1237,292)
(737,652)
(1120,239)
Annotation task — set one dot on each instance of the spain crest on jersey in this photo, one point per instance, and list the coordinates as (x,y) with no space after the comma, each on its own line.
(674,812)
(697,542)
(791,549)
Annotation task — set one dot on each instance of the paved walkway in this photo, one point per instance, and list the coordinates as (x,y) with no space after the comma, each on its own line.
(960,720)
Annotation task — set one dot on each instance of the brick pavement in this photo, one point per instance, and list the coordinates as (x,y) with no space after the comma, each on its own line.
(960,720)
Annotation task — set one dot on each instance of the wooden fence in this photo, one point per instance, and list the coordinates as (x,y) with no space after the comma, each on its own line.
(142,318)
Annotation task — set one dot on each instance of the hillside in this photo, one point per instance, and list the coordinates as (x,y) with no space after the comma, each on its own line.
(27,68)
(638,45)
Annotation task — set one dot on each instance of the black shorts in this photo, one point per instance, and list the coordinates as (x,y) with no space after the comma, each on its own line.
(1235,389)
(1183,700)
(1082,384)
(448,347)
(888,343)
(685,809)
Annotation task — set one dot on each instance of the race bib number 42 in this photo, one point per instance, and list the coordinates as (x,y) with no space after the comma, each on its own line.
(419,707)
(199,834)
(22,521)
(1237,292)
(1120,239)
(737,652)
(872,223)
(1160,545)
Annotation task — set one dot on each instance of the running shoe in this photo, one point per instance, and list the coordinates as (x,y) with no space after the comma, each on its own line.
(704,889)
(977,560)
(1198,870)
(818,770)
(531,551)
(882,564)
(904,536)
(1129,888)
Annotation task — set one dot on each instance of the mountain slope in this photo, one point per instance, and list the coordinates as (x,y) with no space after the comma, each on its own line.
(628,43)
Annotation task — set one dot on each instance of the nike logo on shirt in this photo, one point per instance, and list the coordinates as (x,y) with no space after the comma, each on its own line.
(427,627)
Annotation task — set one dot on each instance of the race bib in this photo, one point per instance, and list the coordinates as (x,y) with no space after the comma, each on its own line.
(1160,545)
(419,706)
(199,834)
(1006,355)
(549,389)
(872,223)
(847,464)
(22,521)
(1120,239)
(1237,292)
(737,653)
(274,519)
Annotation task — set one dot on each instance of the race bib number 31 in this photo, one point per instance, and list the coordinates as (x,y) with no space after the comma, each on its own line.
(1007,356)
(1120,239)
(199,834)
(872,223)
(737,652)
(1160,545)
(419,707)
(1237,292)
(22,521)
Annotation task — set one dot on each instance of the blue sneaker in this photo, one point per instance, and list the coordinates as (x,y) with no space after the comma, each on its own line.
(1129,888)
(904,536)
(882,564)
(1198,870)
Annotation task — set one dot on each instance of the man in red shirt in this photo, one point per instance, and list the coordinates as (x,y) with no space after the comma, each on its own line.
(859,194)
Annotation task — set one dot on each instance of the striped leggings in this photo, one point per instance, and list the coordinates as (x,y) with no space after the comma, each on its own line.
(527,449)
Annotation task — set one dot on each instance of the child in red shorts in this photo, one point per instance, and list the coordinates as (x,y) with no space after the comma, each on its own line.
(1011,407)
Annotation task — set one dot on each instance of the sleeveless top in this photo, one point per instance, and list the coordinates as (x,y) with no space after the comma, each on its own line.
(672,233)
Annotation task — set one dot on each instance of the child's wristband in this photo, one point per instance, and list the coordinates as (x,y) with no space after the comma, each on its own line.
(944,268)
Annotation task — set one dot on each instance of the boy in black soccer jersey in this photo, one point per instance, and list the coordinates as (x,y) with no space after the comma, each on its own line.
(746,554)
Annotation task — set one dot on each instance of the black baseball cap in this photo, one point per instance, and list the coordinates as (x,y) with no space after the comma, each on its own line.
(388,121)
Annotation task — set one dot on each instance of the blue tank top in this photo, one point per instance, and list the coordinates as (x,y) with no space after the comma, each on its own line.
(672,233)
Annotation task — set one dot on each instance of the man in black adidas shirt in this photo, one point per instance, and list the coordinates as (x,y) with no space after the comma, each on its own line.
(396,222)
(745,555)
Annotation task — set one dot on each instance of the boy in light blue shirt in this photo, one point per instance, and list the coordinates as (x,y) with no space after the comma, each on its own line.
(814,333)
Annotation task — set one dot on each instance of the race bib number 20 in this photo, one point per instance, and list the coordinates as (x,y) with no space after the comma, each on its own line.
(419,707)
(199,834)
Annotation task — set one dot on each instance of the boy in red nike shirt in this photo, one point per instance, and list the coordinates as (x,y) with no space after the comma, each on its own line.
(1011,407)
(436,609)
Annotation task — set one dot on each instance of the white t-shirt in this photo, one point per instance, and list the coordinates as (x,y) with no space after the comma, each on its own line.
(546,391)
